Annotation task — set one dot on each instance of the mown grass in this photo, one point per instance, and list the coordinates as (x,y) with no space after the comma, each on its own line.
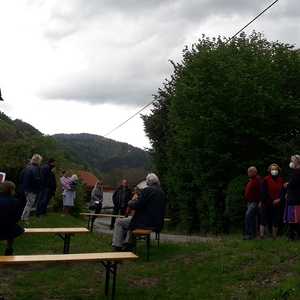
(226,269)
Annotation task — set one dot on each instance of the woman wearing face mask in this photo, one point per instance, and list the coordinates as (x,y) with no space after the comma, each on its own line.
(270,206)
(292,209)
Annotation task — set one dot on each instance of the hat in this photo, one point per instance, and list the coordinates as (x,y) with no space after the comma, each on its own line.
(1,99)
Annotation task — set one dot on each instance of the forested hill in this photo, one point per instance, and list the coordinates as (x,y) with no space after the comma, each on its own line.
(105,156)
(109,159)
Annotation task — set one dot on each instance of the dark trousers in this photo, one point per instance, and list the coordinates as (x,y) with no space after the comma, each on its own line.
(98,209)
(250,220)
(293,231)
(43,201)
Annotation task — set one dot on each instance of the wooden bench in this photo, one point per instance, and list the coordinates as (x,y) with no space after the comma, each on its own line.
(109,260)
(92,218)
(64,233)
(145,234)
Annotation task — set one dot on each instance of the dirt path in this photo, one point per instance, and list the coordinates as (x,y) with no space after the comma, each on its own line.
(102,226)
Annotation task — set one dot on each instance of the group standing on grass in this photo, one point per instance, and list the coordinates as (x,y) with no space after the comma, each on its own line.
(37,185)
(272,202)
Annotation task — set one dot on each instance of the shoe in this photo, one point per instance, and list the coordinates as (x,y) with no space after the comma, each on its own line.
(116,249)
(128,247)
(9,251)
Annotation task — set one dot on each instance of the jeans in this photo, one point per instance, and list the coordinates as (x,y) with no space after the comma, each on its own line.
(121,233)
(250,220)
(30,200)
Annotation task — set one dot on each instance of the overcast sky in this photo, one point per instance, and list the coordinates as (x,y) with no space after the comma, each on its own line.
(70,66)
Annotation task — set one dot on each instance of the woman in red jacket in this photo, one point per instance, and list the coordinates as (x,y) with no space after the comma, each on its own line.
(270,206)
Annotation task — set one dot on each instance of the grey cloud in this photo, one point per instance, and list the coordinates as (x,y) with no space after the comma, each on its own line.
(130,41)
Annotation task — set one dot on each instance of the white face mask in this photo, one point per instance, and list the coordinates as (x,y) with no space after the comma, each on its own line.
(292,165)
(274,172)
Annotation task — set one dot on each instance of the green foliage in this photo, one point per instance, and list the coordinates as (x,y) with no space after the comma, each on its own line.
(226,106)
(235,203)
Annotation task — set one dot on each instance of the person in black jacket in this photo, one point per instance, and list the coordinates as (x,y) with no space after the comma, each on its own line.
(120,198)
(149,213)
(292,209)
(10,213)
(48,187)
(31,184)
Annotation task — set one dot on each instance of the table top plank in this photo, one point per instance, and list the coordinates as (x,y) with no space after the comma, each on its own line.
(106,256)
(57,230)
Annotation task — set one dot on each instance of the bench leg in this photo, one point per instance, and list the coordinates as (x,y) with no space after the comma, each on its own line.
(110,268)
(92,224)
(89,223)
(107,277)
(157,237)
(67,241)
(148,246)
(114,271)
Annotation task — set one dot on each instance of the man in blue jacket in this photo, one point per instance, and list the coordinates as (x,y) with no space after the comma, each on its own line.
(48,187)
(31,184)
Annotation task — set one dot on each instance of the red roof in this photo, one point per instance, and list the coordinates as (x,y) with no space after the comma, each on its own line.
(89,179)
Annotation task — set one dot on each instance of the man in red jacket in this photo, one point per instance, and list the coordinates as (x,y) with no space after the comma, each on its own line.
(253,198)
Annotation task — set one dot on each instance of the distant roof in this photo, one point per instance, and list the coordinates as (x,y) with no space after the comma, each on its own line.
(88,178)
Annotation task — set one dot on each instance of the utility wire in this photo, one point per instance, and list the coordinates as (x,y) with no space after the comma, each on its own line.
(120,125)
(150,103)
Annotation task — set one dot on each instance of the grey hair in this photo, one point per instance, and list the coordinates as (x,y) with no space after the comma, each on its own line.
(296,159)
(152,179)
(36,159)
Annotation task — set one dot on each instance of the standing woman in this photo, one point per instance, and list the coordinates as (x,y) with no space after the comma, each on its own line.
(69,194)
(292,209)
(97,197)
(270,206)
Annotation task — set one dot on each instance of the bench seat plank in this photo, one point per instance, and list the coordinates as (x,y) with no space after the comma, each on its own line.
(102,215)
(108,256)
(57,230)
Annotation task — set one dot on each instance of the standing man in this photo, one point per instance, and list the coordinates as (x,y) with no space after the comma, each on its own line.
(31,184)
(48,187)
(149,207)
(253,199)
(120,198)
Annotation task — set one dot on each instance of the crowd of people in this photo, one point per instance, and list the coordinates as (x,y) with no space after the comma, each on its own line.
(272,202)
(139,209)
(36,187)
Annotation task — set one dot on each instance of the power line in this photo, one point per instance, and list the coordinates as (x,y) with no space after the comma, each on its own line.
(120,125)
(255,18)
(150,103)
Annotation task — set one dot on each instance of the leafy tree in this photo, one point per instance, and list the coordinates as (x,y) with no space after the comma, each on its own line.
(227,105)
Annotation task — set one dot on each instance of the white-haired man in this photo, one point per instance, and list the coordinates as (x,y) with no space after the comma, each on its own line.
(149,210)
(31,184)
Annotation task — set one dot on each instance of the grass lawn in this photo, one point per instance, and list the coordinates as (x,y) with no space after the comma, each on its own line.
(228,269)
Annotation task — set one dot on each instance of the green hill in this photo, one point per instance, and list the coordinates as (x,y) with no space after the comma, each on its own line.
(112,159)
(109,159)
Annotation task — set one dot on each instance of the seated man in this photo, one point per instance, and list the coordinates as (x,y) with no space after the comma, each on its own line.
(10,214)
(149,209)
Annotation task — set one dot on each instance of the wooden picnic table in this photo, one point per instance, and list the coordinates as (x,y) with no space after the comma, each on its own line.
(109,260)
(64,233)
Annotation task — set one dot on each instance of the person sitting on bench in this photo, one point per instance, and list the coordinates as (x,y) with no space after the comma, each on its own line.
(149,209)
(10,214)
